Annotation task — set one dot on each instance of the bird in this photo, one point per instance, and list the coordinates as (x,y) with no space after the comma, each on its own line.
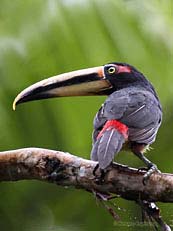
(129,118)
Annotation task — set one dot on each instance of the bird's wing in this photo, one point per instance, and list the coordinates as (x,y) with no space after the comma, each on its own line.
(143,118)
(138,109)
(113,108)
(135,108)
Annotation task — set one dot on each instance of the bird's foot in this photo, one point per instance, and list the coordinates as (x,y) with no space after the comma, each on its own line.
(152,168)
(99,174)
(95,169)
(140,169)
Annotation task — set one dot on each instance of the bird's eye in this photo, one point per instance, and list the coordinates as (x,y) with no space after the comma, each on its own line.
(111,70)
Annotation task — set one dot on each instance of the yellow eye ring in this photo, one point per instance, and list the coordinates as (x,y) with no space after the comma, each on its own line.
(111,70)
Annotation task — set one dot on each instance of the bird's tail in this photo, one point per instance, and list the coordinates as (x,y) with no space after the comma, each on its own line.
(107,146)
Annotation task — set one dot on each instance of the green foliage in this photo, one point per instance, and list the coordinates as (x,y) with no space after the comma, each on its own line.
(39,39)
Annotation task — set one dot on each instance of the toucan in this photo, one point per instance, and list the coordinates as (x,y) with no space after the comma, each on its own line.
(129,118)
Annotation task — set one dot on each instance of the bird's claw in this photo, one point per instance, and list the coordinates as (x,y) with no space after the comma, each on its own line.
(152,169)
(142,169)
(99,177)
(95,169)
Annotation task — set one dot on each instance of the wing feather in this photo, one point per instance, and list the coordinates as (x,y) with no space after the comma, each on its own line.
(138,109)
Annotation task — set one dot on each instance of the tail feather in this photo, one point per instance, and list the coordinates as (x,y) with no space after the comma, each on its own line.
(106,147)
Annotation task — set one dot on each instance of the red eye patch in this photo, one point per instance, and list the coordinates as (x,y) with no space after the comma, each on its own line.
(123,69)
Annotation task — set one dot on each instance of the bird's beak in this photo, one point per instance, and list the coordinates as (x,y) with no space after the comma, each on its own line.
(84,82)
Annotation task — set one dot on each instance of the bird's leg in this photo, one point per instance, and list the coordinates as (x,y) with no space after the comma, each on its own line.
(151,166)
(95,169)
(99,176)
(137,150)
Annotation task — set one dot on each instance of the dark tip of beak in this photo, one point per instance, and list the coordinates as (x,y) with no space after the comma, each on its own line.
(29,96)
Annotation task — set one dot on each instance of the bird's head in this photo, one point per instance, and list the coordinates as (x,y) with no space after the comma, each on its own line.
(122,75)
(102,80)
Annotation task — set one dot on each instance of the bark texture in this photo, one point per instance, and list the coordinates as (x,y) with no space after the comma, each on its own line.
(69,170)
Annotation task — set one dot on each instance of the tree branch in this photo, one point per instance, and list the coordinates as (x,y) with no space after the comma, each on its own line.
(65,169)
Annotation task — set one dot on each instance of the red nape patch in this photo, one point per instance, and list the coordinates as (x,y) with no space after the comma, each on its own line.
(114,124)
(122,69)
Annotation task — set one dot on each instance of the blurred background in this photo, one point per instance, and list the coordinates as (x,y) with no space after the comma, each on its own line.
(39,39)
